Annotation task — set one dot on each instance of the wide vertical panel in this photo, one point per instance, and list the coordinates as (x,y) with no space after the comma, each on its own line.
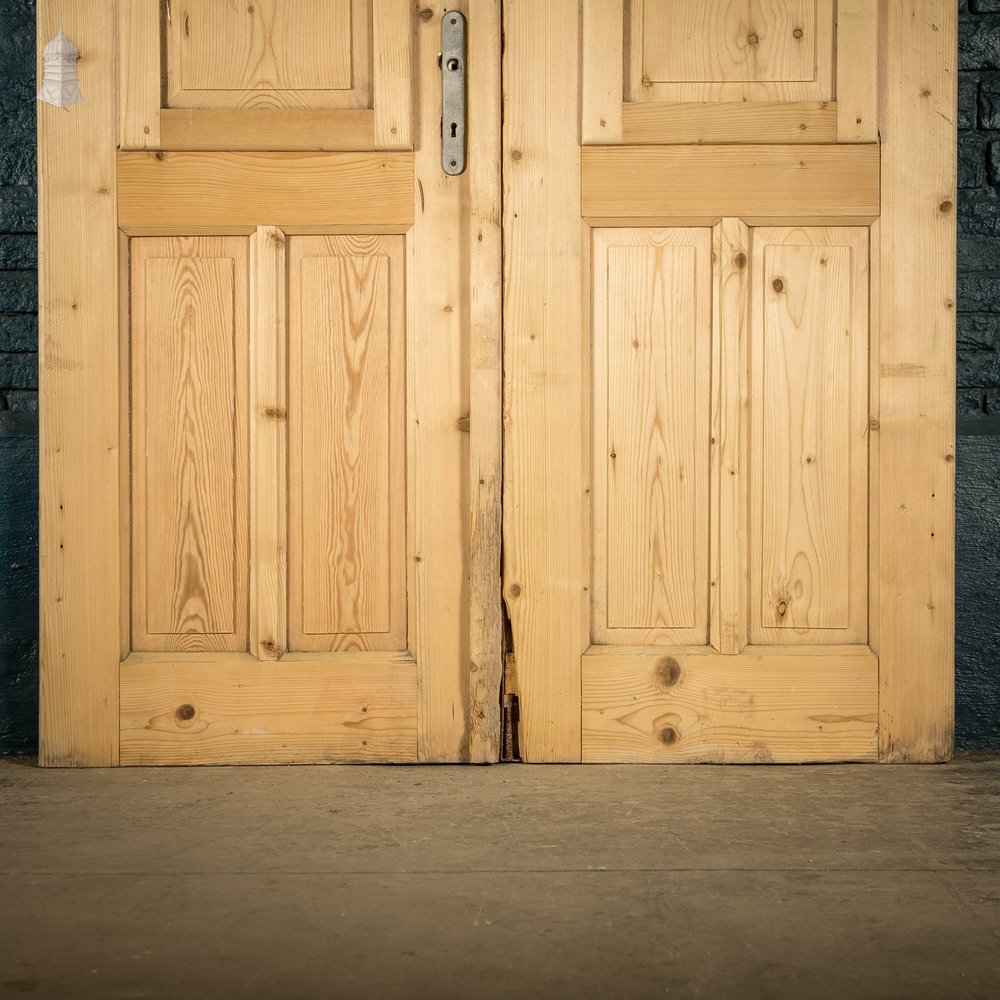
(78,371)
(347,472)
(916,407)
(546,374)
(730,435)
(189,443)
(652,338)
(268,445)
(809,378)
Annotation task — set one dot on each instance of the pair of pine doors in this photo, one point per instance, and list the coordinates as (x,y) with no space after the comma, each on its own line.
(675,350)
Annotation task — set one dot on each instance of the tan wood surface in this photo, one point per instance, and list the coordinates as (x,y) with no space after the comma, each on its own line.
(652,291)
(715,181)
(186,710)
(268,409)
(916,415)
(601,70)
(266,129)
(347,464)
(393,72)
(693,705)
(546,351)
(267,54)
(189,432)
(187,189)
(730,433)
(718,50)
(857,70)
(486,628)
(79,552)
(139,80)
(809,451)
(731,122)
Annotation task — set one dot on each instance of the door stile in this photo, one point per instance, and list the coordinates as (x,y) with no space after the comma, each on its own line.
(728,625)
(268,444)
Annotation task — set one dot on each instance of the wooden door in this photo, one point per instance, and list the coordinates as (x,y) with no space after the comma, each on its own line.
(729,378)
(271,384)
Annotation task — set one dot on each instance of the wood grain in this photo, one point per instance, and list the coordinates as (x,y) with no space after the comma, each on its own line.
(189,443)
(486,635)
(720,50)
(393,73)
(346,434)
(546,350)
(809,406)
(652,291)
(235,710)
(693,705)
(266,129)
(601,100)
(268,623)
(732,122)
(268,54)
(438,421)
(917,382)
(139,81)
(79,432)
(730,436)
(185,189)
(857,70)
(716,181)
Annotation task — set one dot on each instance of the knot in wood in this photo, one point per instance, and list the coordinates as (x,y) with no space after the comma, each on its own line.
(668,672)
(797,33)
(778,285)
(668,736)
(185,712)
(752,38)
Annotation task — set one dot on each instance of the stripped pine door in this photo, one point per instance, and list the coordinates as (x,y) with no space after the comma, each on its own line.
(729,359)
(271,382)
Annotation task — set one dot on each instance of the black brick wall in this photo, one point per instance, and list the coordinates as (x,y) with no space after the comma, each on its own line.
(978,467)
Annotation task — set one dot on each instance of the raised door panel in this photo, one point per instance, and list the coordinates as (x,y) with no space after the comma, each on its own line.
(652,341)
(730,50)
(809,436)
(188,388)
(268,54)
(347,586)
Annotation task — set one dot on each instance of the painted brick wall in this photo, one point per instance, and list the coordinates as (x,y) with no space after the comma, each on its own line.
(978,467)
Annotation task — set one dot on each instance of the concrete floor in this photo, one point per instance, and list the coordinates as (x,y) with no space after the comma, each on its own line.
(511,881)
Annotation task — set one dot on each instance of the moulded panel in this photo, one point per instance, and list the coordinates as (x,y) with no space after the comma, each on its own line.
(809,440)
(346,431)
(730,50)
(269,54)
(189,341)
(652,341)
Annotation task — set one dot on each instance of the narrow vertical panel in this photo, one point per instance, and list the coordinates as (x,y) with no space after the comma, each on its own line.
(438,420)
(346,469)
(268,445)
(546,357)
(486,385)
(730,436)
(189,443)
(392,74)
(809,378)
(652,339)
(857,71)
(917,376)
(139,74)
(603,31)
(79,395)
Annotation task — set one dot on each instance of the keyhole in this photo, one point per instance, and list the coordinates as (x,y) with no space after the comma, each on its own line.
(453,64)
(454,130)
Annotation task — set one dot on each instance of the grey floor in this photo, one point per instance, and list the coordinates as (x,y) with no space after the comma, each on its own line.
(510,881)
